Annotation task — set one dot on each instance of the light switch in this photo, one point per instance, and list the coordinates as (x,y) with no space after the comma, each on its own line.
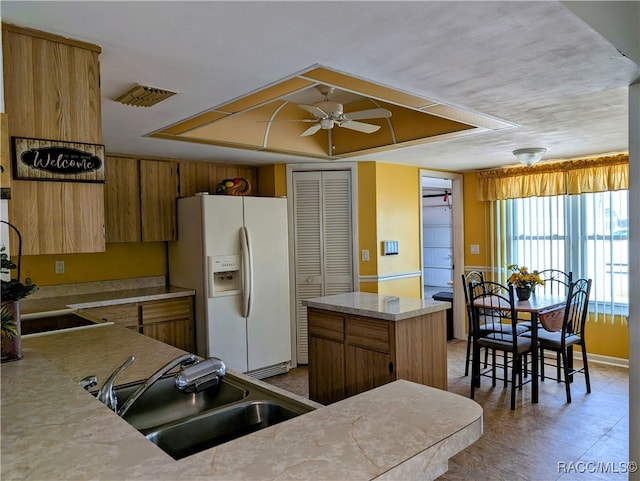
(365,255)
(474,249)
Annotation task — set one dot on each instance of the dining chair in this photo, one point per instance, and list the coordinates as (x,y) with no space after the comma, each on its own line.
(491,302)
(571,334)
(485,327)
(556,282)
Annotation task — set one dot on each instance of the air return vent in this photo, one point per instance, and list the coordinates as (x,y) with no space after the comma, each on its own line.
(143,96)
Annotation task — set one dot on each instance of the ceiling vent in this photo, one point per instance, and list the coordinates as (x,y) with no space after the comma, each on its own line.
(143,96)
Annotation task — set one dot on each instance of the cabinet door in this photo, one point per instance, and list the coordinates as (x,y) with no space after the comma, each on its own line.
(122,200)
(83,213)
(177,333)
(366,369)
(169,321)
(326,371)
(159,190)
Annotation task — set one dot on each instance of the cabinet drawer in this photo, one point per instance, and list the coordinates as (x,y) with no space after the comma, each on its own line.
(123,314)
(326,325)
(164,310)
(370,334)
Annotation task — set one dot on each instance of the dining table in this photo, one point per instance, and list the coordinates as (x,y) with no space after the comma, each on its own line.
(538,306)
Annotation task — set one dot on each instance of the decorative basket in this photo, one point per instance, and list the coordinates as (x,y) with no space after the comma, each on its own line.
(237,186)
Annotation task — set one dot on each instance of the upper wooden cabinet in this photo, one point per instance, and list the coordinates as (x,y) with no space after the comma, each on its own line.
(122,200)
(158,193)
(140,199)
(52,92)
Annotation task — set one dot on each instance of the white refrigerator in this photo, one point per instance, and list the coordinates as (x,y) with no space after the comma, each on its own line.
(233,251)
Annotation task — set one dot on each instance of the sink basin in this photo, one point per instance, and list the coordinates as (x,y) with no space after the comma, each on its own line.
(52,323)
(185,423)
(217,427)
(162,403)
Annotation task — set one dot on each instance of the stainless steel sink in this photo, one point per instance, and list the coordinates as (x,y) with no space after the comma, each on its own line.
(210,429)
(162,403)
(183,424)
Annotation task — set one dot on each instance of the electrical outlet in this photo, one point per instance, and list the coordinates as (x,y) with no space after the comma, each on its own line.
(365,255)
(59,267)
(474,249)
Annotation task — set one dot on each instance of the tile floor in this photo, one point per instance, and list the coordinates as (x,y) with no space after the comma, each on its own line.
(584,440)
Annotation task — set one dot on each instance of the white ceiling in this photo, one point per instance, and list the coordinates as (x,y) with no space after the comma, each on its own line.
(534,64)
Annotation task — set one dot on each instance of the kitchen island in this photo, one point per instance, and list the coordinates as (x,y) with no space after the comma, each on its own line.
(359,340)
(53,429)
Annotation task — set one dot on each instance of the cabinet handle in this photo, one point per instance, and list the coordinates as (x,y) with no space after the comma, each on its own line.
(390,367)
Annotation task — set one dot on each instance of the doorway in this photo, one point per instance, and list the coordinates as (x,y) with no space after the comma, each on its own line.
(442,241)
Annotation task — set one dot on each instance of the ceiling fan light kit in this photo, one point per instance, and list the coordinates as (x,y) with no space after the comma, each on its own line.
(529,156)
(328,114)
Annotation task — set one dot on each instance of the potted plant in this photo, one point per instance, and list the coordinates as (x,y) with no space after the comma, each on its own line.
(12,291)
(523,280)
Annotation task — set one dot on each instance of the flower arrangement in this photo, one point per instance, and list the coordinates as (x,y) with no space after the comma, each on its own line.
(521,277)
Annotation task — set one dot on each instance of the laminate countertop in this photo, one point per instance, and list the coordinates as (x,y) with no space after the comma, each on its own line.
(390,308)
(52,429)
(69,303)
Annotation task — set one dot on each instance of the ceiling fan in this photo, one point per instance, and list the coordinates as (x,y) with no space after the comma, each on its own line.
(328,113)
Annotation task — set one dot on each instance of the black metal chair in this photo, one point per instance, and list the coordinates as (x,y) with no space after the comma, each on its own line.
(491,302)
(571,334)
(485,327)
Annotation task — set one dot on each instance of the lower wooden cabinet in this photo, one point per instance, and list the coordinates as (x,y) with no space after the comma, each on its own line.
(351,354)
(168,320)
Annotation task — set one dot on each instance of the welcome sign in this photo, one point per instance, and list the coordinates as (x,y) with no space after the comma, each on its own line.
(38,159)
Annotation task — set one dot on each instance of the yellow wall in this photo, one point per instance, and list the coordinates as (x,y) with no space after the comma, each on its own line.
(389,209)
(272,180)
(603,337)
(367,218)
(119,261)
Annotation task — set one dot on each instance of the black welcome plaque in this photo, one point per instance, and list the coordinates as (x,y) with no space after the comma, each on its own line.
(38,159)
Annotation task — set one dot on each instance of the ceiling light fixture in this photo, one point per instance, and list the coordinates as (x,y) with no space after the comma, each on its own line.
(529,156)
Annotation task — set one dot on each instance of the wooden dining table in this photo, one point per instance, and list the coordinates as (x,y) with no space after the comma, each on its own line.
(536,306)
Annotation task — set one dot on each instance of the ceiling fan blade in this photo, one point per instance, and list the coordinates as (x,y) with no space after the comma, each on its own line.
(285,120)
(310,131)
(313,110)
(360,126)
(367,114)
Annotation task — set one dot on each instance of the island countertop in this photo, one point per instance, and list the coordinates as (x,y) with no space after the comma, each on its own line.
(389,308)
(53,429)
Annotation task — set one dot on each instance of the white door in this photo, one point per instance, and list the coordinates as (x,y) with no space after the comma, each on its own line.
(269,320)
(323,242)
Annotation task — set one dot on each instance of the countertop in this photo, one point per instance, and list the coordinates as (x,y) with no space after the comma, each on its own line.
(390,308)
(62,304)
(52,429)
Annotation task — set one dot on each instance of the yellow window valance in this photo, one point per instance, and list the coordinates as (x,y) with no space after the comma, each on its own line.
(571,177)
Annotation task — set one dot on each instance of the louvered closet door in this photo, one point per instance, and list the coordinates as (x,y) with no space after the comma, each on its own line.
(323,242)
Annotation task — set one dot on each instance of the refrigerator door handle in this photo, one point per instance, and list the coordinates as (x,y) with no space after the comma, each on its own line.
(247,272)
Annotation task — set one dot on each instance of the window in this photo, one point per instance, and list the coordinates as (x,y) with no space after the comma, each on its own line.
(586,234)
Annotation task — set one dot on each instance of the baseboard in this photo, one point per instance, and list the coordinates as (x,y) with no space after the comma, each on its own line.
(611,361)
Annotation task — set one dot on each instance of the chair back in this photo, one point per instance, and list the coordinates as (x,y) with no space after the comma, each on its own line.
(469,278)
(577,307)
(556,282)
(491,302)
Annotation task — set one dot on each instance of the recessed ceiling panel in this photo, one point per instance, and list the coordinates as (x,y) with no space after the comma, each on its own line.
(271,118)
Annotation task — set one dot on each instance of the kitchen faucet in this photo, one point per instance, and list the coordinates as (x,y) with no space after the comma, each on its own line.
(107,394)
(180,360)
